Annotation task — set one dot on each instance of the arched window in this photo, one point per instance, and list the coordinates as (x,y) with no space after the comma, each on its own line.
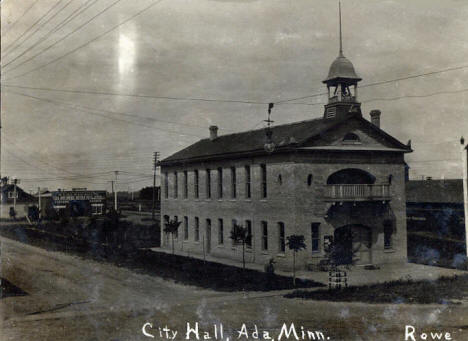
(309,180)
(280,179)
(351,176)
(351,138)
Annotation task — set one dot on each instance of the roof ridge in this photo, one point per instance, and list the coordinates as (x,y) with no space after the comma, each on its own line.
(272,127)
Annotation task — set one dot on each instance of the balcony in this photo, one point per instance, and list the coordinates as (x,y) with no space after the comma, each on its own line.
(364,192)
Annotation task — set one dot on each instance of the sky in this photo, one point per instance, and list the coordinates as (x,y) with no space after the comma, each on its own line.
(94,86)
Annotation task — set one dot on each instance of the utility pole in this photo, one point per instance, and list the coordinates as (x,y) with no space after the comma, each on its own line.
(155,164)
(39,201)
(15,181)
(465,187)
(115,192)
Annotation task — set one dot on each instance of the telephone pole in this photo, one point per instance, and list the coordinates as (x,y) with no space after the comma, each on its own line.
(155,164)
(465,187)
(115,191)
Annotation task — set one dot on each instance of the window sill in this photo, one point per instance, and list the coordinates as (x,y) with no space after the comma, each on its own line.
(265,252)
(281,255)
(220,246)
(391,250)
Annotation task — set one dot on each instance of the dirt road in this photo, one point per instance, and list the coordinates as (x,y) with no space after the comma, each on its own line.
(71,298)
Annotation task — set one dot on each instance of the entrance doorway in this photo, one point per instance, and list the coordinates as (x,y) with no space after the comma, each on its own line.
(353,245)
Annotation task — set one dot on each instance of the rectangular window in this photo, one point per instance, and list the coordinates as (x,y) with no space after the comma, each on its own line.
(196,184)
(264,180)
(197,229)
(264,235)
(185,184)
(220,182)
(248,192)
(315,234)
(186,228)
(281,238)
(220,232)
(208,184)
(388,232)
(166,185)
(233,182)
(248,226)
(233,222)
(176,185)
(176,234)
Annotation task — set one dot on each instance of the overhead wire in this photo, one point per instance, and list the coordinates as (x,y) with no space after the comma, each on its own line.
(10,27)
(50,33)
(86,43)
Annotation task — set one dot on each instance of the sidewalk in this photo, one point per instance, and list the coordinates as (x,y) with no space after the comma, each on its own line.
(357,274)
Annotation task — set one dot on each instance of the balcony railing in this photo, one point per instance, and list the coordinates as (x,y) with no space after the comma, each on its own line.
(357,192)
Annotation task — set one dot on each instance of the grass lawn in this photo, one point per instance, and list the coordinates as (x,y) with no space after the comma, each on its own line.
(181,269)
(444,290)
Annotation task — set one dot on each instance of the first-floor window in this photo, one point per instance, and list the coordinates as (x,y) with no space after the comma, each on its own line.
(388,233)
(220,231)
(176,235)
(264,235)
(282,244)
(248,226)
(197,229)
(315,234)
(186,227)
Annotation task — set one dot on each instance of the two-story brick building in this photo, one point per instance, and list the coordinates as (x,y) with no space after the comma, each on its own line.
(339,175)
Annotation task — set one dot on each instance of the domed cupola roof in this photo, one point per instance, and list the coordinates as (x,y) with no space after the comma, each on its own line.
(343,69)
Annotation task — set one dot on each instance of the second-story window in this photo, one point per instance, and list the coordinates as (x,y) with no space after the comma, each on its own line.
(166,186)
(248,192)
(185,184)
(233,182)
(220,182)
(196,184)
(208,183)
(263,180)
(176,185)
(315,235)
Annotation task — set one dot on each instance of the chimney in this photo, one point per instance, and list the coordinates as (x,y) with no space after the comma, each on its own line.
(375,117)
(213,133)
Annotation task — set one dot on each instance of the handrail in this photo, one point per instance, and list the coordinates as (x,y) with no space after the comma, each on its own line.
(357,191)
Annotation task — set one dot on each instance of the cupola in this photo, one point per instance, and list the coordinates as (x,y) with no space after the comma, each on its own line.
(342,85)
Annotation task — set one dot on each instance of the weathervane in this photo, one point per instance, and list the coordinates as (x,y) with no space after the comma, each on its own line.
(269,145)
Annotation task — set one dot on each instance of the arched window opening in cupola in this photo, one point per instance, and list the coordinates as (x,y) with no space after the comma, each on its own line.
(309,180)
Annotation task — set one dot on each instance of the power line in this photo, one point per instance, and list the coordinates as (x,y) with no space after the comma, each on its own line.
(32,26)
(37,29)
(97,113)
(9,28)
(383,82)
(85,44)
(65,36)
(106,93)
(49,34)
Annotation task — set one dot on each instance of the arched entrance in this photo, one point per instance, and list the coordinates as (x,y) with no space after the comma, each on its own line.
(353,242)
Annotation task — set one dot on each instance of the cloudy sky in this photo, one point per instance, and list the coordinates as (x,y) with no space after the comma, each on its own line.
(130,73)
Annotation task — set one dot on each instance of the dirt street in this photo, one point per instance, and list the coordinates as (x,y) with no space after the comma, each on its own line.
(70,298)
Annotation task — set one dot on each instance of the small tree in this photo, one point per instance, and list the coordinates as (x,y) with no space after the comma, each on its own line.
(241,235)
(172,226)
(296,243)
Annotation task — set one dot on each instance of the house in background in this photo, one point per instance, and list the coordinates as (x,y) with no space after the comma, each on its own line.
(20,205)
(436,222)
(337,176)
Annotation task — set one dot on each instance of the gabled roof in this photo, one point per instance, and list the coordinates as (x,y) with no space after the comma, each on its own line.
(285,136)
(435,191)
